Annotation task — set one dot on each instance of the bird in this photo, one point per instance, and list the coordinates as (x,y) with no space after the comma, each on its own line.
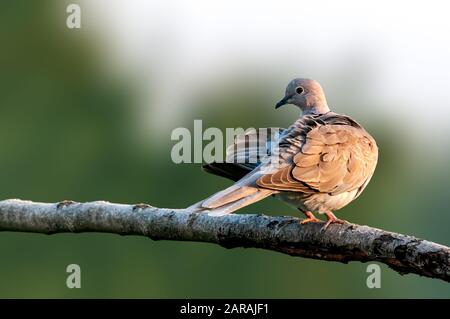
(318,165)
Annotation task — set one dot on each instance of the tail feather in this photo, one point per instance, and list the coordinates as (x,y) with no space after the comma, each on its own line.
(228,170)
(229,195)
(242,159)
(233,206)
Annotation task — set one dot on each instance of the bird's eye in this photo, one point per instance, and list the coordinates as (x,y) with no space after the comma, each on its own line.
(299,90)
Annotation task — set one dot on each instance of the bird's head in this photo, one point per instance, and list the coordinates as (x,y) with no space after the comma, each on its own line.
(307,95)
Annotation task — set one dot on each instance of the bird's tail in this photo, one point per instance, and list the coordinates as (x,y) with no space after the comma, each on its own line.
(243,158)
(231,199)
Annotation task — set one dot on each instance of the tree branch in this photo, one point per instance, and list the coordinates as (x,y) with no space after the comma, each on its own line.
(343,243)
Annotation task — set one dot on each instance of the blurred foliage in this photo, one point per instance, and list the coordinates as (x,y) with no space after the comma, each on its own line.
(66,133)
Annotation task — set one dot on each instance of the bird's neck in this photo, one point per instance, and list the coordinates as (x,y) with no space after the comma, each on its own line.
(319,108)
(315,104)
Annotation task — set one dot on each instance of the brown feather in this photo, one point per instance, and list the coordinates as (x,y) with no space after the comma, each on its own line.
(331,158)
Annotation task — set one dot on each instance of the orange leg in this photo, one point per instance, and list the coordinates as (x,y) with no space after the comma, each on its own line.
(332,220)
(310,218)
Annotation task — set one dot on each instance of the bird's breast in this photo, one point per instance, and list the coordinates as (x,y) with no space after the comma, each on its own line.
(317,202)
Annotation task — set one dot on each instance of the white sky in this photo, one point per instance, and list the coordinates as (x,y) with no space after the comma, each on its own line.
(188,44)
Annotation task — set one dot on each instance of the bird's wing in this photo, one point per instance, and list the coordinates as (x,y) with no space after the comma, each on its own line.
(330,158)
(245,154)
(251,147)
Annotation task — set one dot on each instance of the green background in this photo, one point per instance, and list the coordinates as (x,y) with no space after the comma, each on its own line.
(67,132)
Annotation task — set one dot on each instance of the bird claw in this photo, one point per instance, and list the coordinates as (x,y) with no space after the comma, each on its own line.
(309,220)
(332,220)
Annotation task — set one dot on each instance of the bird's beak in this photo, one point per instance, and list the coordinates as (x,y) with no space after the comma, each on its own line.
(284,101)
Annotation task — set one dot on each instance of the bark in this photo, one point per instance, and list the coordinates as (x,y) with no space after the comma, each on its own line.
(342,243)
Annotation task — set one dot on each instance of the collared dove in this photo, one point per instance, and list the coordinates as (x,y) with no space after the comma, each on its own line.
(323,162)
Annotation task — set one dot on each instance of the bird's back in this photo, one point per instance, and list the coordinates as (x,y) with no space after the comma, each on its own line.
(323,153)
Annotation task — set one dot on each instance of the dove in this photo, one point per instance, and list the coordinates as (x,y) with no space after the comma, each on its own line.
(321,163)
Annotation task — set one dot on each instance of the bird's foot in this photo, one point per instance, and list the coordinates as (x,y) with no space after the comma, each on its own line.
(332,220)
(310,218)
